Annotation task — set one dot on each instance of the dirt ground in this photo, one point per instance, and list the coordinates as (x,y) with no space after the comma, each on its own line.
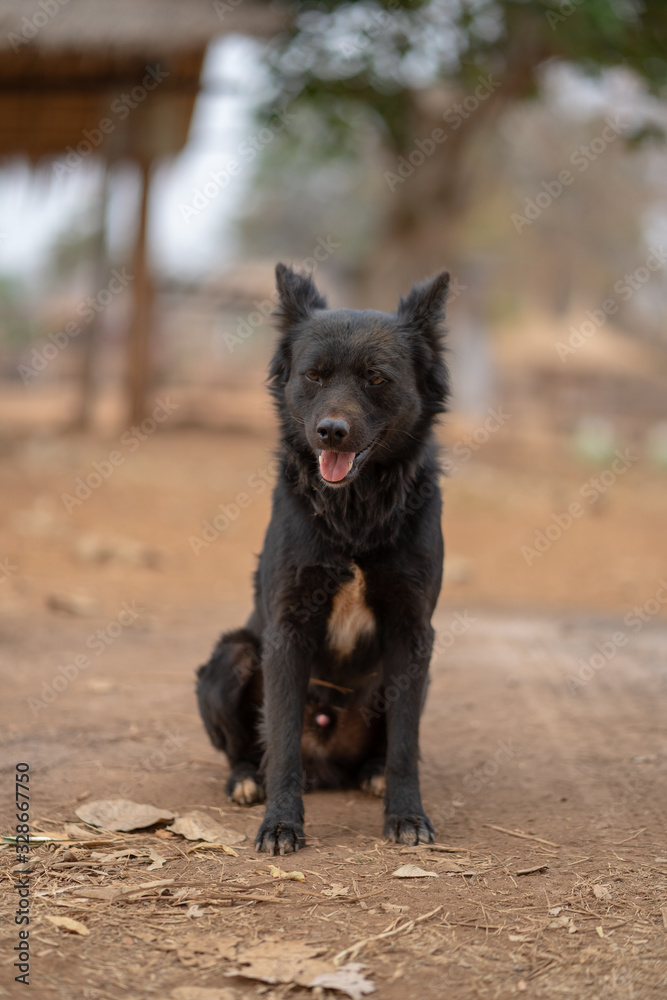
(543,740)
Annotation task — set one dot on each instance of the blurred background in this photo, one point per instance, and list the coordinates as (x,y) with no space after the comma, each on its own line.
(158,158)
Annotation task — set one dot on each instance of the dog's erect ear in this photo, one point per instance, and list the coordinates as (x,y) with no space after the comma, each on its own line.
(297,300)
(297,297)
(423,308)
(422,312)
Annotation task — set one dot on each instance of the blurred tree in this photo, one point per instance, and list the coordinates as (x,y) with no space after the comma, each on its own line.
(431,78)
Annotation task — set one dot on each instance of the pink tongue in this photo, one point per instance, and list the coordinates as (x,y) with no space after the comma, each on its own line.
(334,464)
(322,720)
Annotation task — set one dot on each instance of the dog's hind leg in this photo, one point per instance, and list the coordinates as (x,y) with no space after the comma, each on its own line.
(372,776)
(229,691)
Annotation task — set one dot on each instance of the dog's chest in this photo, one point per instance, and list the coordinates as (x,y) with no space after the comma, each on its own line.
(350,618)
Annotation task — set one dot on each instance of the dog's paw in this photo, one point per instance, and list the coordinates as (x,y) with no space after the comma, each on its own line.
(375,784)
(412,830)
(279,838)
(245,791)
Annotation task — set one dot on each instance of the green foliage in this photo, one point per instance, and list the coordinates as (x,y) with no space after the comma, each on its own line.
(336,55)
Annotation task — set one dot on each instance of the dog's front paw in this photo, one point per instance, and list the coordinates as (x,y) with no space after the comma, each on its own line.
(276,837)
(412,830)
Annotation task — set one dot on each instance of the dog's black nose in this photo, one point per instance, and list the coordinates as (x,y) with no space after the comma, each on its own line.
(332,432)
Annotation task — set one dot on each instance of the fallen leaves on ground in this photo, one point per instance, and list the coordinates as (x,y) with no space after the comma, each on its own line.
(204,951)
(336,889)
(286,876)
(68,924)
(198,826)
(121,814)
(349,979)
(299,963)
(282,962)
(157,859)
(412,871)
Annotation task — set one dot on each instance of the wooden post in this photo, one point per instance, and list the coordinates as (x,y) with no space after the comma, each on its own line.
(139,335)
(91,334)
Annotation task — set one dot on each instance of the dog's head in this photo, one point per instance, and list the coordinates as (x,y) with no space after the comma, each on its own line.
(356,387)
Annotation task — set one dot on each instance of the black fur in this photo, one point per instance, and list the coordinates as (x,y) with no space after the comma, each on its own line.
(291,700)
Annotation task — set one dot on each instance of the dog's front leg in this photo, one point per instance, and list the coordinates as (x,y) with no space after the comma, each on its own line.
(286,674)
(406,676)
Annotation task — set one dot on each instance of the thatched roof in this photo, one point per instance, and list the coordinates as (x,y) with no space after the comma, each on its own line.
(66,66)
(134,26)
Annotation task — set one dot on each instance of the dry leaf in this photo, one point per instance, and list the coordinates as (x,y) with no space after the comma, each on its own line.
(600,932)
(348,979)
(204,951)
(203,846)
(601,892)
(446,865)
(282,962)
(157,859)
(286,876)
(337,889)
(198,826)
(393,908)
(67,924)
(121,814)
(411,871)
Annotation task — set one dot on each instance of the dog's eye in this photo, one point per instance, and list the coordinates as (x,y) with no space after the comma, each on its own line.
(313,377)
(375,380)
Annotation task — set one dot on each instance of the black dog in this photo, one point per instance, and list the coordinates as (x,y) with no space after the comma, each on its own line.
(330,673)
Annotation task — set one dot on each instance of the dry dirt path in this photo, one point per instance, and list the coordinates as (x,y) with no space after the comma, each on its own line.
(509,740)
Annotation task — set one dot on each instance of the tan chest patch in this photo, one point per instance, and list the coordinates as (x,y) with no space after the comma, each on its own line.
(350,617)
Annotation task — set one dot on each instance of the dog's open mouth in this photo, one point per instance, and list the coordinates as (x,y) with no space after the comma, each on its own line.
(339,466)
